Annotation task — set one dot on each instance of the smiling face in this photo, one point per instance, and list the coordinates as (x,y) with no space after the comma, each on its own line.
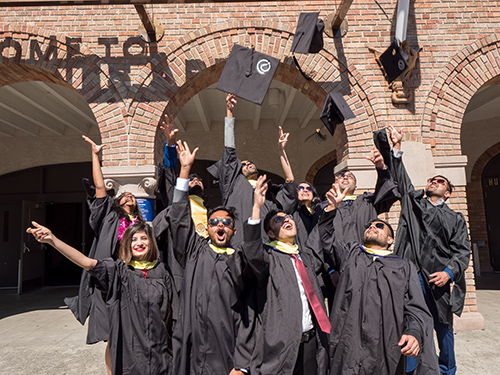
(377,235)
(220,228)
(305,193)
(346,180)
(128,202)
(282,228)
(438,187)
(139,245)
(248,168)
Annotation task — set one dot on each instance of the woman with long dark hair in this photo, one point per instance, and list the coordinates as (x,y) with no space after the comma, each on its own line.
(139,299)
(109,218)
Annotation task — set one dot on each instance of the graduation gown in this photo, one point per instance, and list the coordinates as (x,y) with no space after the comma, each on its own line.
(279,307)
(433,238)
(213,331)
(140,310)
(378,299)
(238,193)
(104,221)
(352,217)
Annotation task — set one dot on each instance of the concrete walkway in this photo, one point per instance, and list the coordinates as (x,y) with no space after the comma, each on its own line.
(39,335)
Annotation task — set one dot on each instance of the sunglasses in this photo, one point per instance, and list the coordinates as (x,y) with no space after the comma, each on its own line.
(307,188)
(378,225)
(347,175)
(213,222)
(440,181)
(280,219)
(244,164)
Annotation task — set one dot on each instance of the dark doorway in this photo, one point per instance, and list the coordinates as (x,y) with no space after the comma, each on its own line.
(491,190)
(324,178)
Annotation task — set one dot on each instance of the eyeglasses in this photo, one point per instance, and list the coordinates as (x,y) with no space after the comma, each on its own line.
(378,225)
(307,188)
(347,175)
(280,219)
(440,181)
(213,222)
(244,164)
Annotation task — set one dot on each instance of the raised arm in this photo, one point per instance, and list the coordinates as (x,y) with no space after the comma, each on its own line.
(398,169)
(100,189)
(167,172)
(285,164)
(44,235)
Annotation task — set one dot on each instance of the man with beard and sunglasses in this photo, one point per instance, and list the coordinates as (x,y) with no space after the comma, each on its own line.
(435,238)
(212,334)
(237,178)
(379,315)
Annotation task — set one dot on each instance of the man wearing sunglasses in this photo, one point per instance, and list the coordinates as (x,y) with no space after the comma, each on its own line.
(436,240)
(213,332)
(237,178)
(379,315)
(292,330)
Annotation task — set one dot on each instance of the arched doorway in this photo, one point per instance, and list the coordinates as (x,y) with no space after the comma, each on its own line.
(491,191)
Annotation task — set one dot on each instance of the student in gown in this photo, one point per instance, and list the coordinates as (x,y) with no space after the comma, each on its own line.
(108,219)
(292,326)
(213,331)
(379,315)
(139,296)
(435,238)
(167,175)
(237,178)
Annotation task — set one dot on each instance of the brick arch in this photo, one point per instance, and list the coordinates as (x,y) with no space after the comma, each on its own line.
(320,163)
(475,204)
(65,61)
(198,58)
(454,87)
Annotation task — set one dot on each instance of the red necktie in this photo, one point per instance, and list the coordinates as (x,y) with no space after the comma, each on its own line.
(312,297)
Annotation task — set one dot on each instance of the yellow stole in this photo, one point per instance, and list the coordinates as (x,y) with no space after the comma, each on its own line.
(284,247)
(143,264)
(350,198)
(252,182)
(199,215)
(222,250)
(381,252)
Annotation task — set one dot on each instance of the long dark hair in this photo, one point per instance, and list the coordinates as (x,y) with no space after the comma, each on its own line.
(316,199)
(125,250)
(121,212)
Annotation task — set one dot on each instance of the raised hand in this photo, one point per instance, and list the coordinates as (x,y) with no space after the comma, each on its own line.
(168,127)
(95,148)
(186,157)
(334,196)
(376,158)
(395,136)
(41,233)
(283,139)
(230,104)
(260,191)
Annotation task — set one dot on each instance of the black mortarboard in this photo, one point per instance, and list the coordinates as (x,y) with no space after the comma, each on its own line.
(309,34)
(248,74)
(335,111)
(393,62)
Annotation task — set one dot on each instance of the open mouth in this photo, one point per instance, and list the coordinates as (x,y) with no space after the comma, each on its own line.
(288,226)
(221,235)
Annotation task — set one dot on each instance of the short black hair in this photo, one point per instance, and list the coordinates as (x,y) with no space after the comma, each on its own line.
(267,219)
(192,176)
(231,211)
(347,171)
(391,231)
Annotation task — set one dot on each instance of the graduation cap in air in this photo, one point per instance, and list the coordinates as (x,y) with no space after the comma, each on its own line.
(335,111)
(247,74)
(308,37)
(394,61)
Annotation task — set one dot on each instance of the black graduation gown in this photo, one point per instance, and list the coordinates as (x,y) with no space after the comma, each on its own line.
(140,310)
(351,219)
(213,332)
(378,299)
(279,307)
(105,222)
(238,193)
(433,238)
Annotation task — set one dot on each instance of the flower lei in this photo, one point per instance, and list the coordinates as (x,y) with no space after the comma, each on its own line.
(124,224)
